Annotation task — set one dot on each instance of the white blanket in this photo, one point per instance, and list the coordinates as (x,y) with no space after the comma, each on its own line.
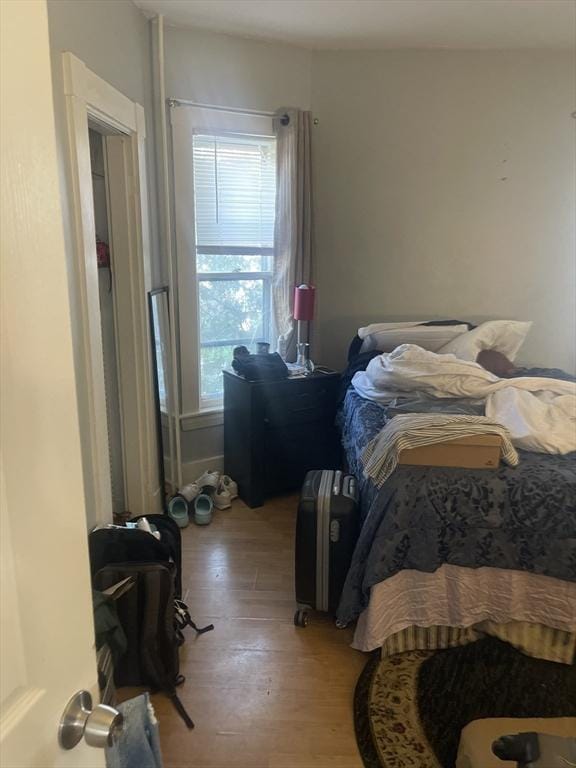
(539,413)
(454,596)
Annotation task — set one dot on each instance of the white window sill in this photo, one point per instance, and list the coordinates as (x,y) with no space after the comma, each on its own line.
(211,417)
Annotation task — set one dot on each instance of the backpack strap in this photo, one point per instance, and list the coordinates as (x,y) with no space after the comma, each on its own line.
(183,619)
(160,591)
(179,707)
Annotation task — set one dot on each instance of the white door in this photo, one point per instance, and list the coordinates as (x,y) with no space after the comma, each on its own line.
(47,639)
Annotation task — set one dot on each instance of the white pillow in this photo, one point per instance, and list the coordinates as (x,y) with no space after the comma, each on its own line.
(505,336)
(376,327)
(385,337)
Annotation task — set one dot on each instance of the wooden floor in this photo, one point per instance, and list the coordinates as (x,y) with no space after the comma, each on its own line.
(263,694)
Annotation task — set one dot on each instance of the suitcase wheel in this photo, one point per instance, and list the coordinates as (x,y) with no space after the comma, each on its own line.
(301,618)
(340,624)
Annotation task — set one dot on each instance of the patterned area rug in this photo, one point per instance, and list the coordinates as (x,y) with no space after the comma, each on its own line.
(409,709)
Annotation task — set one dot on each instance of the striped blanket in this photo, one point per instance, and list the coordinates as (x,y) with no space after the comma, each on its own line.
(414,430)
(532,639)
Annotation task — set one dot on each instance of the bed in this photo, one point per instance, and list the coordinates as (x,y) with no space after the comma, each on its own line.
(446,554)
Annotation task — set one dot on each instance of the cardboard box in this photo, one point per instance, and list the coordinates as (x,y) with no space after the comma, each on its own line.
(475,452)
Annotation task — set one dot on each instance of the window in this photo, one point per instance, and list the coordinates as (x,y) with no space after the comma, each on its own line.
(224,210)
(234,204)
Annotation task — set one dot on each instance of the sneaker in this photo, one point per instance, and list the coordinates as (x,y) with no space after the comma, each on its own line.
(222,498)
(190,491)
(203,506)
(208,481)
(229,484)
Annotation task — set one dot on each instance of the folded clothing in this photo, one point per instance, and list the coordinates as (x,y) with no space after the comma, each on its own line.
(413,430)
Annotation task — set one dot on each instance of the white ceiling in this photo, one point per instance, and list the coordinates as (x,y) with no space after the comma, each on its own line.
(382,23)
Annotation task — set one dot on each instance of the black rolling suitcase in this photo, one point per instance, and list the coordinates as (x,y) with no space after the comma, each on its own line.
(326,533)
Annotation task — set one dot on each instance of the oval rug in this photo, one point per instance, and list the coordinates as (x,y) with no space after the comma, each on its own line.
(388,728)
(409,709)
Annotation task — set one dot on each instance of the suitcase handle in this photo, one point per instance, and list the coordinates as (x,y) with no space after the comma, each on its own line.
(349,488)
(337,483)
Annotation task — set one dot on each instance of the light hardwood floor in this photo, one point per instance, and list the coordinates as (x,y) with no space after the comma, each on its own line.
(263,694)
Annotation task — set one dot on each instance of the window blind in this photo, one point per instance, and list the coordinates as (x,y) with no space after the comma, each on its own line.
(235,191)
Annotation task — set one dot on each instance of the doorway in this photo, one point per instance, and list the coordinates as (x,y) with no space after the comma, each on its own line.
(107,134)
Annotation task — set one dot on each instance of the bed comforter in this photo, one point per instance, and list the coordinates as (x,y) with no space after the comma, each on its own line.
(521,518)
(538,412)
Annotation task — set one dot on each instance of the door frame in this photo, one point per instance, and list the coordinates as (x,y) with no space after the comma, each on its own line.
(91,101)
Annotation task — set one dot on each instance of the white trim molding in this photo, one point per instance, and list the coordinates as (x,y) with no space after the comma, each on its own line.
(192,470)
(91,100)
(202,419)
(104,102)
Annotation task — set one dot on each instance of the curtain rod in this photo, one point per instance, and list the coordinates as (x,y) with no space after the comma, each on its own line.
(186,102)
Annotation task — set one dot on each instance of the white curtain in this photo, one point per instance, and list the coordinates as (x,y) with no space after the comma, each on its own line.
(293,247)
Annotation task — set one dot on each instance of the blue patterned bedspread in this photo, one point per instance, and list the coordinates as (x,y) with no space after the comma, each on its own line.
(523,518)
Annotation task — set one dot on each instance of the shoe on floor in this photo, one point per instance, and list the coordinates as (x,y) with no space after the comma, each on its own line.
(203,507)
(222,498)
(208,481)
(190,491)
(229,484)
(178,511)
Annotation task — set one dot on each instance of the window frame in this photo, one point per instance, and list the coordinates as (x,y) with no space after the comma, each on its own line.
(207,403)
(186,121)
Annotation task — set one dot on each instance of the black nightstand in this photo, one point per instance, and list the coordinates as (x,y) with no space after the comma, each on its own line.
(275,431)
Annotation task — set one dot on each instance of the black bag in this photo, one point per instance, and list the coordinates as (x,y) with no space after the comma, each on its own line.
(269,367)
(171,536)
(146,613)
(326,534)
(151,613)
(123,545)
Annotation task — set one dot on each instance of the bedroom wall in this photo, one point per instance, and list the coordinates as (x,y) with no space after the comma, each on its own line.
(445,187)
(230,71)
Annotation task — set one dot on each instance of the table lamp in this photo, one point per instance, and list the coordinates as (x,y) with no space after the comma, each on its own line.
(303,306)
(304,312)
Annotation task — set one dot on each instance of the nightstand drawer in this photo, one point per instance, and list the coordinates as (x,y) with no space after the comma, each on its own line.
(294,449)
(299,405)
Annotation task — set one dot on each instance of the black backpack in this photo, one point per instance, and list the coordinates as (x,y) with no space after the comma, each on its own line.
(151,612)
(121,545)
(172,538)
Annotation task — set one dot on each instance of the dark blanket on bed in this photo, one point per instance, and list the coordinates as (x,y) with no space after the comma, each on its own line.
(522,518)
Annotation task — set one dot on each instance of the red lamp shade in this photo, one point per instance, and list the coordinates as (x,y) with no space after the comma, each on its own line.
(304,302)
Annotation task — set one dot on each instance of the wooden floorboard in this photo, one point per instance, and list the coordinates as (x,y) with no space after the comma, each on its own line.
(263,694)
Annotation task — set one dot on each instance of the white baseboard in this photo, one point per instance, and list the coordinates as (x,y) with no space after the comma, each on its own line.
(193,469)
